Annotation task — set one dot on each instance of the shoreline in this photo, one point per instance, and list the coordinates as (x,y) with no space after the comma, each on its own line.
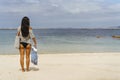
(55,53)
(63,67)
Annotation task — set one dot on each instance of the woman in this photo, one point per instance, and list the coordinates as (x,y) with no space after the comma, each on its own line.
(25,33)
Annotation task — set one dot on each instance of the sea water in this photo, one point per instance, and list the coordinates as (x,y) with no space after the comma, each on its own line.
(65,41)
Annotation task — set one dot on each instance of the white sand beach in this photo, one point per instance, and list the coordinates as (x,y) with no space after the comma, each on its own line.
(83,66)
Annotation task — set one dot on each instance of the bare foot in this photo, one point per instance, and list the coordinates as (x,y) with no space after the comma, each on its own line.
(27,70)
(23,70)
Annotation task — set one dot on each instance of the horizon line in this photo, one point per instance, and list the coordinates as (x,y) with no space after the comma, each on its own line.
(57,28)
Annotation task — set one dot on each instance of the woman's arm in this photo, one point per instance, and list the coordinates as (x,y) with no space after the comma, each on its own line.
(18,31)
(33,37)
(35,42)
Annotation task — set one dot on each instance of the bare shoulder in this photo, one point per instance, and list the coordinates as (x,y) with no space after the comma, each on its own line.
(19,28)
(30,28)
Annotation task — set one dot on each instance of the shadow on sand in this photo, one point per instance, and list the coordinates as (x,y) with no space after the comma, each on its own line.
(31,69)
(34,69)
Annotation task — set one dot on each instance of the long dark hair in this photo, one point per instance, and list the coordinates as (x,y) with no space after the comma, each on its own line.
(25,24)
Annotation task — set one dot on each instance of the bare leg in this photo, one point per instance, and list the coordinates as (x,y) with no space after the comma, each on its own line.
(28,49)
(22,57)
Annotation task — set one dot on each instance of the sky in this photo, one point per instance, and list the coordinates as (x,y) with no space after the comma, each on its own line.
(60,13)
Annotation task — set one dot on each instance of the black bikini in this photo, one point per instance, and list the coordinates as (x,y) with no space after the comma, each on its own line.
(24,44)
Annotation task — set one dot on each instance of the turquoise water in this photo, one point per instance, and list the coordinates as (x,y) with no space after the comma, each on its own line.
(65,41)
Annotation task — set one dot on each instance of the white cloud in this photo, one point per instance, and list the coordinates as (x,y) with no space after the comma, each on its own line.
(21,8)
(81,7)
(114,7)
(73,11)
(78,6)
(49,6)
(32,1)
